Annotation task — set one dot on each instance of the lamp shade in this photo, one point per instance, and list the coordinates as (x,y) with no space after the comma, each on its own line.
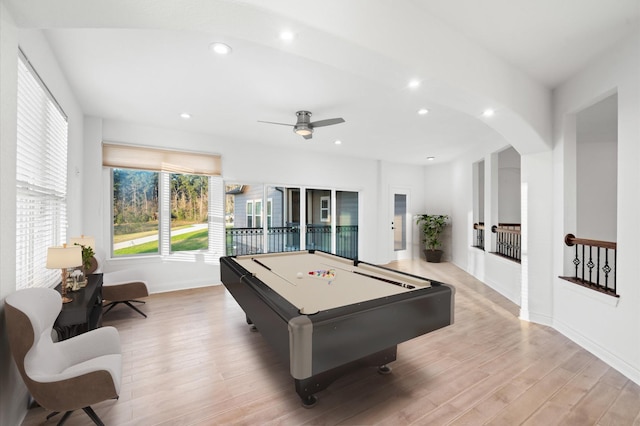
(83,240)
(64,257)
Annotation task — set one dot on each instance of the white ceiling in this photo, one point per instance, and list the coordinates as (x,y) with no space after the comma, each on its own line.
(549,39)
(127,61)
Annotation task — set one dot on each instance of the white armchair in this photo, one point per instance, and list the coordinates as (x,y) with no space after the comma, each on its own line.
(61,376)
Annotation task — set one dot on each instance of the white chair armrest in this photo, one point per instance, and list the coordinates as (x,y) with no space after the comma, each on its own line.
(111,363)
(92,344)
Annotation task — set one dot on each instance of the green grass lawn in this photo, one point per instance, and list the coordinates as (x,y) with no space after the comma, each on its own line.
(197,240)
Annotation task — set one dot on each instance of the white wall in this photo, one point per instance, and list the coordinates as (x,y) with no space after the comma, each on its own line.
(608,327)
(372,179)
(392,177)
(604,325)
(597,170)
(439,180)
(508,186)
(502,275)
(37,51)
(12,404)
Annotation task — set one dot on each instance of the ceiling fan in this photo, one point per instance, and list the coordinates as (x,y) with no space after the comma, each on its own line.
(304,127)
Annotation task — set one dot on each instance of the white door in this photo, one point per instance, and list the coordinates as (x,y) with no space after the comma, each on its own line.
(400,224)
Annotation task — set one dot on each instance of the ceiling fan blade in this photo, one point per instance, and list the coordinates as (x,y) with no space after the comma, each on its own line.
(273,122)
(309,136)
(327,122)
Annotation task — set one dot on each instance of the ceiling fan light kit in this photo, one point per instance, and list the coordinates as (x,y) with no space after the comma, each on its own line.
(302,130)
(304,127)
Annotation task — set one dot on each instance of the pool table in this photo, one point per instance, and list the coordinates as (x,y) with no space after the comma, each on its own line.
(326,315)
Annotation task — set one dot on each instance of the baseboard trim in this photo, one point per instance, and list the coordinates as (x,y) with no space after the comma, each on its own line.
(633,373)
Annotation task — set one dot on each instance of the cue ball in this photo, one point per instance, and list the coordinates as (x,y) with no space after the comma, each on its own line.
(299,275)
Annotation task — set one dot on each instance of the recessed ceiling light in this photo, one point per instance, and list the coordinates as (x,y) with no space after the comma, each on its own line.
(287,35)
(185,115)
(338,142)
(488,112)
(431,158)
(220,48)
(423,111)
(414,84)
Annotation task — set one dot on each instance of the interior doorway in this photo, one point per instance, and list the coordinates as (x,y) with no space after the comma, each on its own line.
(400,224)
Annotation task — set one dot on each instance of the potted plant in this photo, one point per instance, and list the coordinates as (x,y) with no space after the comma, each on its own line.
(432,226)
(87,258)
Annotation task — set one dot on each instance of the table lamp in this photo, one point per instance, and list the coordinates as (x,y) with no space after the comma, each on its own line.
(83,240)
(62,258)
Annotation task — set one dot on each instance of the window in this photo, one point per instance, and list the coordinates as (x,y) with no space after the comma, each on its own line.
(257,213)
(250,214)
(41,179)
(325,209)
(189,212)
(158,210)
(254,213)
(135,212)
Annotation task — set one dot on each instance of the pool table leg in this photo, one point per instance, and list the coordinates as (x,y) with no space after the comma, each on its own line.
(309,401)
(253,326)
(306,388)
(384,369)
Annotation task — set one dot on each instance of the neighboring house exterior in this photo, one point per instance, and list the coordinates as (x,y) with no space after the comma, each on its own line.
(281,209)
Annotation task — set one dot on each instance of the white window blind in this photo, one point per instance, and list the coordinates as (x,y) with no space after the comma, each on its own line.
(41,176)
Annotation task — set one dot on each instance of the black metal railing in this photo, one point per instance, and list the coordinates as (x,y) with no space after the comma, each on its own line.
(595,264)
(319,237)
(347,241)
(478,235)
(283,238)
(508,240)
(240,241)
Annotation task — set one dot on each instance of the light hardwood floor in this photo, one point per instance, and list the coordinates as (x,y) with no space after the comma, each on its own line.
(193,361)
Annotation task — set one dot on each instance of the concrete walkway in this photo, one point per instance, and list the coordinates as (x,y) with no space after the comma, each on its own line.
(142,240)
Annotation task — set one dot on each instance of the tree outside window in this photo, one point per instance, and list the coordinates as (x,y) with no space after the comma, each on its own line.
(135,212)
(189,212)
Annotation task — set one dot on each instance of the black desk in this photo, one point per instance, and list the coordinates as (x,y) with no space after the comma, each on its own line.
(84,313)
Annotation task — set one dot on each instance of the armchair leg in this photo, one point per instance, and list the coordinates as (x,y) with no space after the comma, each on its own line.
(111,305)
(64,417)
(53,413)
(134,308)
(92,414)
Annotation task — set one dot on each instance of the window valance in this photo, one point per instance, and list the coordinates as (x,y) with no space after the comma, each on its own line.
(160,160)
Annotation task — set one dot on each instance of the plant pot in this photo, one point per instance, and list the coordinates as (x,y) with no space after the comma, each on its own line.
(433,256)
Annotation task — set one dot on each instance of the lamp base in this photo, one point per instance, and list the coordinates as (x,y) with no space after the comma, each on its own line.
(66,299)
